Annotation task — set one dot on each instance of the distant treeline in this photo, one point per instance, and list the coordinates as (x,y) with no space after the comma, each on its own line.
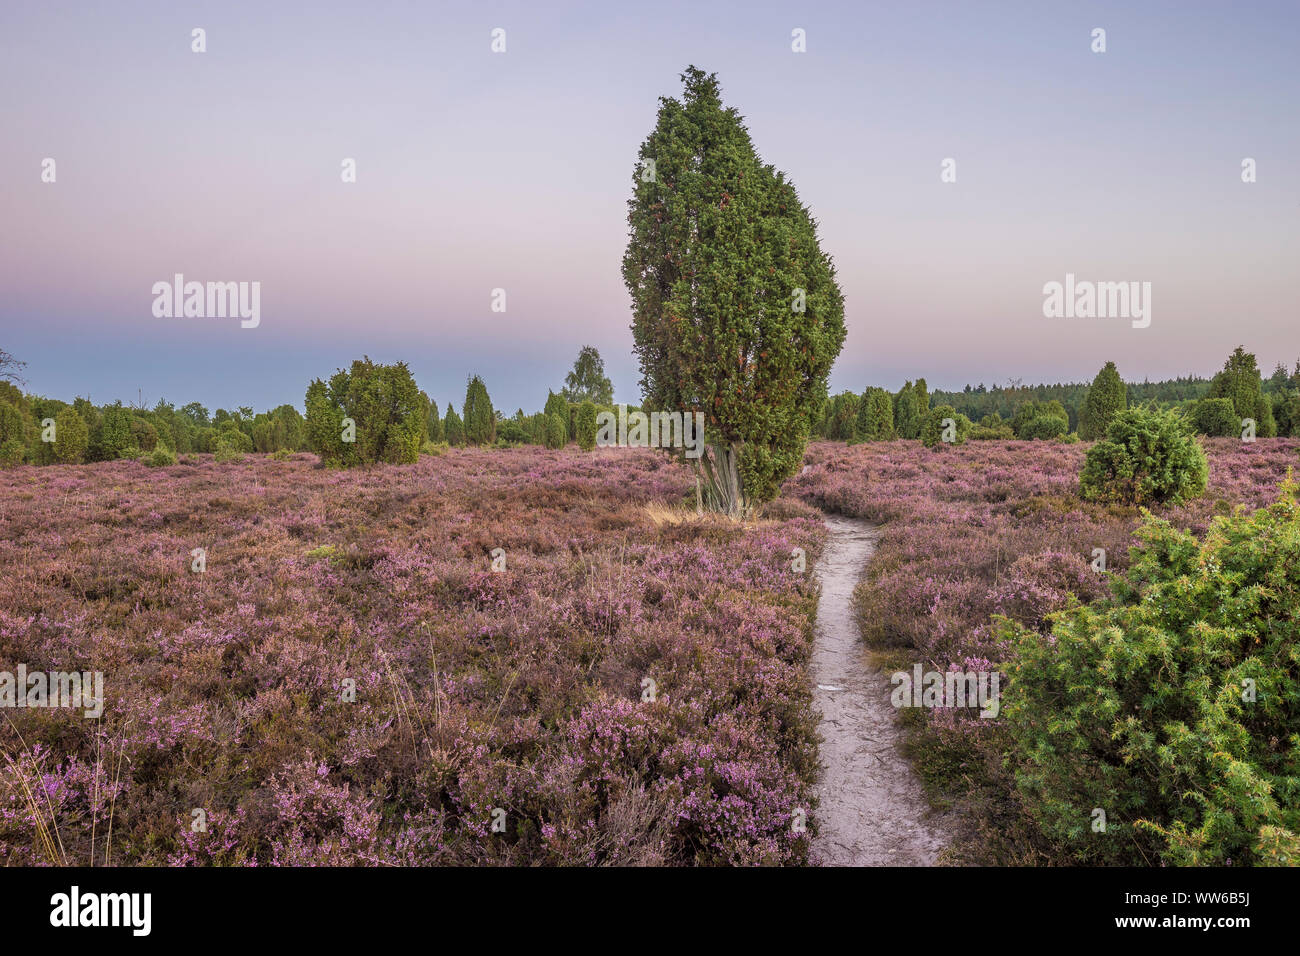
(365,414)
(1215,406)
(392,420)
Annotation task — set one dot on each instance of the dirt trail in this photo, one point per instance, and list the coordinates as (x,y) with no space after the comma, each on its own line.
(872,811)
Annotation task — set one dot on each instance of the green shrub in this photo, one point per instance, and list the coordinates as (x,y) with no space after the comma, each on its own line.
(12,424)
(1240,382)
(1107,397)
(843,423)
(433,424)
(453,428)
(1147,456)
(228,449)
(535,426)
(12,453)
(510,433)
(556,405)
(557,432)
(1040,420)
(992,428)
(875,415)
(1286,413)
(480,418)
(907,416)
(932,430)
(1171,706)
(231,433)
(160,457)
(384,409)
(1216,417)
(71,437)
(434,448)
(143,435)
(586,426)
(281,454)
(1043,428)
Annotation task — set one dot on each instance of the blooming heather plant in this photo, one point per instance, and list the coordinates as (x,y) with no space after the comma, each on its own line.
(349,681)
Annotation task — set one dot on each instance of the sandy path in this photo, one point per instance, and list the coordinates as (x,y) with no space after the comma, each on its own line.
(872,811)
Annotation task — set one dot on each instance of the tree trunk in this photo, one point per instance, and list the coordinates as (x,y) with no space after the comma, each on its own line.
(725,491)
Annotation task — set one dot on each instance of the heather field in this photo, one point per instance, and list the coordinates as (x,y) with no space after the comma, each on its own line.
(517,656)
(995,528)
(348,680)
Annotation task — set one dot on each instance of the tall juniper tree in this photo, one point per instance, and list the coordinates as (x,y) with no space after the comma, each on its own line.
(480,418)
(736,311)
(1107,397)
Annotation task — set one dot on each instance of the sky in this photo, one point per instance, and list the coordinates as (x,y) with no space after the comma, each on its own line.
(478,171)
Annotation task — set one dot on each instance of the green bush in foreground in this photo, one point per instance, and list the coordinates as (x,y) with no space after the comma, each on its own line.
(1171,707)
(1147,456)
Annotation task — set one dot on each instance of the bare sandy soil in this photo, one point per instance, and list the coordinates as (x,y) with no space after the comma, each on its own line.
(872,810)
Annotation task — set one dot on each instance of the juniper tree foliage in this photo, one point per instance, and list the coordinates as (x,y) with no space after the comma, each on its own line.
(934,430)
(384,405)
(907,413)
(1035,419)
(586,426)
(843,422)
(875,415)
(736,311)
(453,428)
(1107,397)
(1240,382)
(480,418)
(556,404)
(71,437)
(1216,417)
(433,422)
(1174,701)
(1149,455)
(557,431)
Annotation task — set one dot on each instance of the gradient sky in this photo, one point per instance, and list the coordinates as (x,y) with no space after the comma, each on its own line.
(479,170)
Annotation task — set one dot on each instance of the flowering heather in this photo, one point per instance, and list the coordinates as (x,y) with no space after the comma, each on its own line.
(350,682)
(995,527)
